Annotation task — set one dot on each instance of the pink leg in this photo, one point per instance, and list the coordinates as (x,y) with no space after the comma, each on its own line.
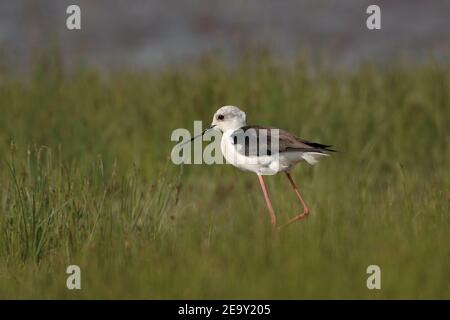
(305,212)
(273,219)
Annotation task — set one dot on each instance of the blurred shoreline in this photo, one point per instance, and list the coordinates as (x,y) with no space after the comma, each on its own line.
(120,35)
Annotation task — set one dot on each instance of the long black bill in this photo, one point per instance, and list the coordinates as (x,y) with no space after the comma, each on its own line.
(197,136)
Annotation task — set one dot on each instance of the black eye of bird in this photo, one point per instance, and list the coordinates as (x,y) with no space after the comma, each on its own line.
(220,117)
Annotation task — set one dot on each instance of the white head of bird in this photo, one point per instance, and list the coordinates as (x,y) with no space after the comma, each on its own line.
(228,118)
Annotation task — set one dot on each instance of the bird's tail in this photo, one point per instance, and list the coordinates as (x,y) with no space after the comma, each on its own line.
(313,157)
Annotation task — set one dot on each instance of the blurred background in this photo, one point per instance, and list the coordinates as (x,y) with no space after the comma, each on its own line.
(86,178)
(119,34)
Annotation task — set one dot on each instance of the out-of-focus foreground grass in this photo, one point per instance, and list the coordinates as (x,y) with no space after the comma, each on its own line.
(85,179)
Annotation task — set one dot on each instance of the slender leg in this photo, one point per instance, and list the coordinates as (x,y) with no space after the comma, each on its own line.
(305,212)
(273,219)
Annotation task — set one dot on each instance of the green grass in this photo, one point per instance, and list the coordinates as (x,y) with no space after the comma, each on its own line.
(85,179)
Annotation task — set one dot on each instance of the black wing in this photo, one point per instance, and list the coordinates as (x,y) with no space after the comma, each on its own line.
(264,140)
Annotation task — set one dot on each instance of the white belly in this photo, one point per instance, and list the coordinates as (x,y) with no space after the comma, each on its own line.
(263,165)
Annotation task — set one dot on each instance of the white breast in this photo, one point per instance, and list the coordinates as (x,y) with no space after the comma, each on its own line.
(264,165)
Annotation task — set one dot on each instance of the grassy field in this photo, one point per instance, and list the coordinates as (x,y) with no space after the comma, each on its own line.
(86,179)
